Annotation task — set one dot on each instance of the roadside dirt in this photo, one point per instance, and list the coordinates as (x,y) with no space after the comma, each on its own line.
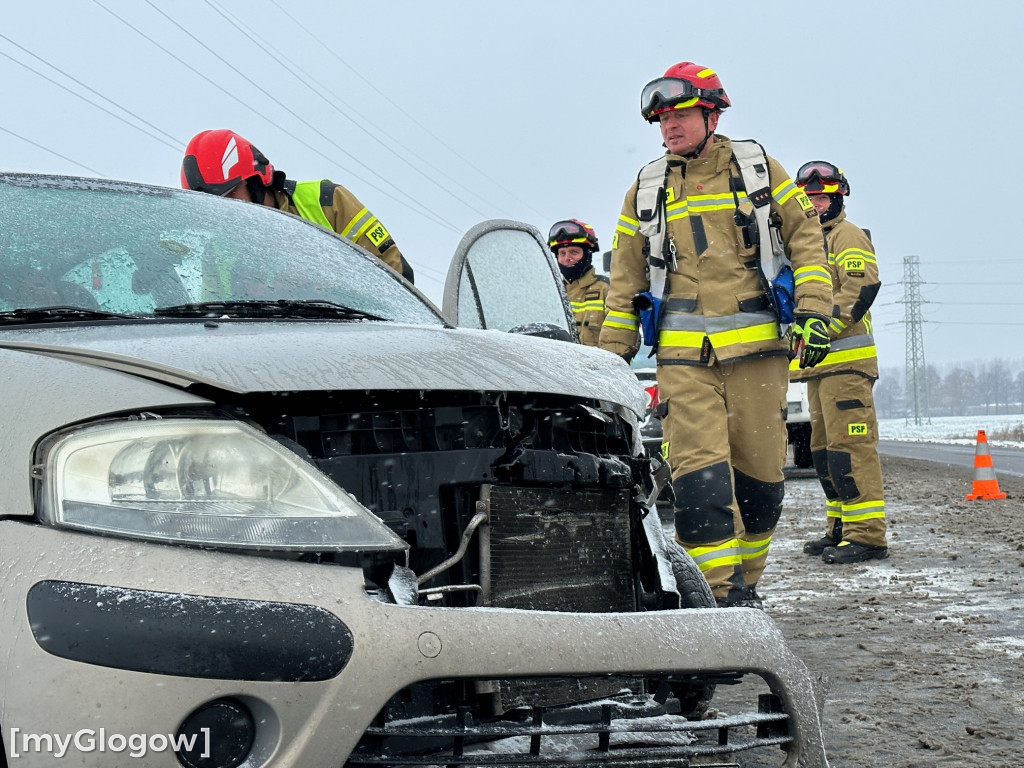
(922,652)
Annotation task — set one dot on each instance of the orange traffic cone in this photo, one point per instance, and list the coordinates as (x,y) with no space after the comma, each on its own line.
(985,485)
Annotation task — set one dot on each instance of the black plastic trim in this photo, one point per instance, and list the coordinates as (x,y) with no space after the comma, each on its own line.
(184,635)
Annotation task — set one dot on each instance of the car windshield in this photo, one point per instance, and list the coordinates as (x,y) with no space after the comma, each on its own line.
(117,248)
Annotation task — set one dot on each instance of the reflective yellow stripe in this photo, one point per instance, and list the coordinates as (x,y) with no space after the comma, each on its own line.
(848,355)
(856,253)
(837,325)
(677,210)
(689,339)
(751,549)
(807,274)
(784,191)
(762,332)
(587,306)
(707,558)
(834,509)
(865,510)
(360,221)
(627,226)
(622,320)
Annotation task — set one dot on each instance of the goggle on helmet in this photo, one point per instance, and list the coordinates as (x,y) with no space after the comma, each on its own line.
(683,85)
(571,232)
(819,177)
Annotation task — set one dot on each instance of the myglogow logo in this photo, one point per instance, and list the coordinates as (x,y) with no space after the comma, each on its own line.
(137,745)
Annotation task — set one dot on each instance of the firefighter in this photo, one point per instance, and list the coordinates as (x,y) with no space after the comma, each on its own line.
(574,244)
(721,351)
(223,163)
(844,428)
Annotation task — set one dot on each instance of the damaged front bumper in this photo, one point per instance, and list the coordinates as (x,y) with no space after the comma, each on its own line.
(326,710)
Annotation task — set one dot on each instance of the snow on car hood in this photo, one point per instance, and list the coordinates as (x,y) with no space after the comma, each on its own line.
(242,356)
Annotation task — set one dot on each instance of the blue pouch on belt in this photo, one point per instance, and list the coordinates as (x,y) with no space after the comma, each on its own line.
(783,288)
(649,309)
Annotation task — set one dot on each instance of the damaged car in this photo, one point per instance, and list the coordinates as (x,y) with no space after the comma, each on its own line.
(262,504)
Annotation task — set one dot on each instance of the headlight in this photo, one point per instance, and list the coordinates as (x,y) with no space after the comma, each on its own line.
(192,481)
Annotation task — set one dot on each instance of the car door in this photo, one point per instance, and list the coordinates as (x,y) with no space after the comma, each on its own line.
(503,277)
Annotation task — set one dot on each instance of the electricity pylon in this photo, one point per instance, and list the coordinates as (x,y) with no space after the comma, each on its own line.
(917,376)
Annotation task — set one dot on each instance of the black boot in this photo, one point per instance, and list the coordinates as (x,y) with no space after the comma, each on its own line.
(853,552)
(818,546)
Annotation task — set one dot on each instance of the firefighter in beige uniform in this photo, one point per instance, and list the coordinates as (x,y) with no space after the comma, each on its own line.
(223,163)
(722,361)
(844,428)
(574,244)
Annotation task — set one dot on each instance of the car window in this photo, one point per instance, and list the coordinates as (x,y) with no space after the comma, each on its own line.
(131,249)
(503,278)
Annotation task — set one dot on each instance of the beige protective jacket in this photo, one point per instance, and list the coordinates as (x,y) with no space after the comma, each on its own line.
(334,207)
(855,283)
(716,307)
(586,296)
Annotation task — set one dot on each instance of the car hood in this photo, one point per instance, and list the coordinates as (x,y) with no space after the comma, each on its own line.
(244,356)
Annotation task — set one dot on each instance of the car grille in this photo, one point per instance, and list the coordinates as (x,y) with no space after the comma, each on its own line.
(559,550)
(627,732)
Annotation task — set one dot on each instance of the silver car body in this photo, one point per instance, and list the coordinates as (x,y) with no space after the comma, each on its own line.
(98,632)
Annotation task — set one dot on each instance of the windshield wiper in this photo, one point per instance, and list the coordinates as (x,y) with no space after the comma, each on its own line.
(284,308)
(56,314)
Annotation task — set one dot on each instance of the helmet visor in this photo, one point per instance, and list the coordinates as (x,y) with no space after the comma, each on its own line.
(567,233)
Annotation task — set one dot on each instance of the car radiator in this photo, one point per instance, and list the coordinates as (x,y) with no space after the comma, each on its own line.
(558,550)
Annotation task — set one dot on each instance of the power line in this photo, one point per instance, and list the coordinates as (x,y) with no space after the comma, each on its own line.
(430,214)
(489,177)
(426,213)
(52,152)
(303,78)
(80,96)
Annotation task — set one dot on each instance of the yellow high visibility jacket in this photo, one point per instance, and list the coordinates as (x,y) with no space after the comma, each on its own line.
(716,306)
(586,297)
(855,283)
(334,207)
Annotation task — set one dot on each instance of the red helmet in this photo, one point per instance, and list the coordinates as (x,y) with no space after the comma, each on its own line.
(217,161)
(572,232)
(819,177)
(683,85)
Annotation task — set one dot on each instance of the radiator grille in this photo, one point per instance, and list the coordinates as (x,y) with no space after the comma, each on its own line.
(560,550)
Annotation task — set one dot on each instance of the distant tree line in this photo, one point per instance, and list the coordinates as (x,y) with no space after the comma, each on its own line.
(957,389)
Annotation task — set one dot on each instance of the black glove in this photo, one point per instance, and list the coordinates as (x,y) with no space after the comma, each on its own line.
(809,340)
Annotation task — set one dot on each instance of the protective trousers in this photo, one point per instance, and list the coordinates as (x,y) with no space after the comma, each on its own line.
(844,447)
(725,440)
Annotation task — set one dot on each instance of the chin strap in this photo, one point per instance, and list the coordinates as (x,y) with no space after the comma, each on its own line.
(707,136)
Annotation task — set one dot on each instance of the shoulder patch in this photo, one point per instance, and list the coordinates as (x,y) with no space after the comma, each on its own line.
(378,234)
(805,202)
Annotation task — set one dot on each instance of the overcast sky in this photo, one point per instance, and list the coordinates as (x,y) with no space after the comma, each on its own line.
(438,115)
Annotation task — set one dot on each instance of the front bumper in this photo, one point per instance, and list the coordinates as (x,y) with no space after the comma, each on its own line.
(309,722)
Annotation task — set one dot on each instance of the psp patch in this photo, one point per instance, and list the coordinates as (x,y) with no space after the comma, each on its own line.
(664,452)
(857,430)
(378,235)
(805,202)
(854,265)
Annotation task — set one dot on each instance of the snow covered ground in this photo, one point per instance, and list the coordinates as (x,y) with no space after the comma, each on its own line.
(953,430)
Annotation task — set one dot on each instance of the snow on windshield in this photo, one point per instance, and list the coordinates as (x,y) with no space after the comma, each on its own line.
(131,249)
